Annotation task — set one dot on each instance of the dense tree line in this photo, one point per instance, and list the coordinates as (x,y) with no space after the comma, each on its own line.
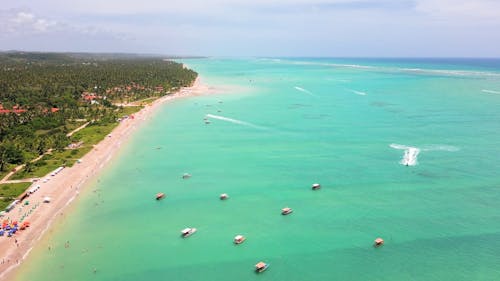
(41,82)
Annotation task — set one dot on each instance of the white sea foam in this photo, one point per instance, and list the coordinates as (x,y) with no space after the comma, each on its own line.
(417,71)
(235,121)
(410,154)
(304,91)
(358,92)
(490,91)
(440,147)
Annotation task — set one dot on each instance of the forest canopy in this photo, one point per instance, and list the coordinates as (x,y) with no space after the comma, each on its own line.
(45,95)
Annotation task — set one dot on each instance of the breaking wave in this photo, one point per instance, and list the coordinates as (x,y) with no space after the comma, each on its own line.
(392,69)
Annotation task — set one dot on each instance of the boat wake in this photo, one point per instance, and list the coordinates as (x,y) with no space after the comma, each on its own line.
(235,121)
(304,91)
(358,92)
(490,91)
(440,147)
(409,156)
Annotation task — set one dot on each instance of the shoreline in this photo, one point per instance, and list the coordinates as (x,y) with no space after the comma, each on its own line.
(43,215)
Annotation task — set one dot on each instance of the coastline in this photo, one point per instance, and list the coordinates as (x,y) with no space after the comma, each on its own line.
(65,187)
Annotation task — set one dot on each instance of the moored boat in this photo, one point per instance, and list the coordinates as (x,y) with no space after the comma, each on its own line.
(378,242)
(238,239)
(186,176)
(186,232)
(160,195)
(286,211)
(261,266)
(316,186)
(224,196)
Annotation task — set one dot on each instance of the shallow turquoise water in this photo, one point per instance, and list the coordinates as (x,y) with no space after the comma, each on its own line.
(294,122)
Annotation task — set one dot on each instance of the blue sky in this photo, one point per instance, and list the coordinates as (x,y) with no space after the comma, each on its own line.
(376,28)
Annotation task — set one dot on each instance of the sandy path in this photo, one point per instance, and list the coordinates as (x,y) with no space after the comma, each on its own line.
(65,186)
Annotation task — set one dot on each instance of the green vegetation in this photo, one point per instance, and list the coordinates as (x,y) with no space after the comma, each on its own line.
(44,96)
(130,110)
(11,191)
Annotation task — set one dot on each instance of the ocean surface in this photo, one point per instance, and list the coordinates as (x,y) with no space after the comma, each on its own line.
(404,149)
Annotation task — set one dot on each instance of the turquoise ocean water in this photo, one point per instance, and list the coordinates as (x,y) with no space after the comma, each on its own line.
(282,125)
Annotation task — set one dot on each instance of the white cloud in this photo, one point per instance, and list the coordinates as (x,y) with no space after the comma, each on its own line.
(238,27)
(23,22)
(22,17)
(477,11)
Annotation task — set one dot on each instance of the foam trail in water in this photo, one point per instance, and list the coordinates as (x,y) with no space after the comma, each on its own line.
(490,92)
(304,91)
(358,92)
(410,155)
(235,121)
(440,147)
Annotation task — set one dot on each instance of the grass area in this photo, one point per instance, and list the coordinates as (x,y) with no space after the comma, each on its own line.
(93,134)
(40,169)
(127,110)
(146,101)
(73,125)
(50,162)
(90,135)
(10,191)
(8,168)
(70,156)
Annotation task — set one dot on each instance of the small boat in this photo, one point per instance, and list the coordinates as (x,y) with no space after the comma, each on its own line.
(316,186)
(224,196)
(186,176)
(238,239)
(186,232)
(160,195)
(286,211)
(261,266)
(378,242)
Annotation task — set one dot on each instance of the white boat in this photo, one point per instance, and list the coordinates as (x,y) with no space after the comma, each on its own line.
(186,232)
(224,196)
(286,211)
(186,176)
(261,266)
(238,239)
(316,186)
(378,242)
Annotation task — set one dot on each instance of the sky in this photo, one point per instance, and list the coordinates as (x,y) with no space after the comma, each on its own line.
(313,28)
